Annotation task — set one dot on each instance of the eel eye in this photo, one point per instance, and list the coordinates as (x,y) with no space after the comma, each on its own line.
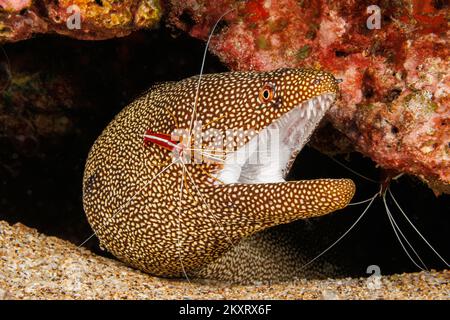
(267,92)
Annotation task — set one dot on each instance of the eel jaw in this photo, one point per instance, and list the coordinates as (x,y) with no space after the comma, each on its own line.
(268,157)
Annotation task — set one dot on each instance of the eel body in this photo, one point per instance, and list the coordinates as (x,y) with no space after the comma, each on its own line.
(206,214)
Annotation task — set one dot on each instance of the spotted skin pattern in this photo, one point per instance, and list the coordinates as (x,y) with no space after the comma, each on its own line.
(172,224)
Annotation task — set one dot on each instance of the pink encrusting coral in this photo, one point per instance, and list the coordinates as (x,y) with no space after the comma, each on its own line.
(394,103)
(14,5)
(97,19)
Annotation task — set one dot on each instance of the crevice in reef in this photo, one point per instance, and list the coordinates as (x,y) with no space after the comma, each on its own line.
(69,90)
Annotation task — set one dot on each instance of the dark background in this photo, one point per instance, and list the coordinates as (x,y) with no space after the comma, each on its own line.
(41,181)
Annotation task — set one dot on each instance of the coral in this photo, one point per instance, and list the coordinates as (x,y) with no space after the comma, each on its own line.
(394,105)
(99,19)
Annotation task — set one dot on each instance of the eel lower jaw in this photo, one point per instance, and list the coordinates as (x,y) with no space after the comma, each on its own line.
(268,157)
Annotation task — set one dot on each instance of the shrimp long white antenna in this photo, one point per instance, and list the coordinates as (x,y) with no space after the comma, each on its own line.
(193,115)
(399,234)
(179,226)
(129,200)
(206,203)
(352,171)
(360,202)
(194,108)
(346,232)
(397,231)
(212,157)
(414,227)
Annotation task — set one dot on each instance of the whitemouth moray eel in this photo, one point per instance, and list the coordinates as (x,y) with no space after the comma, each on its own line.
(170,218)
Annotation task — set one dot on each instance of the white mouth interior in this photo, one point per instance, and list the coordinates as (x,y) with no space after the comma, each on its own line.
(268,157)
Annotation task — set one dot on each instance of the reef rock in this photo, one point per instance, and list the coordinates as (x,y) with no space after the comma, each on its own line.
(393,57)
(81,19)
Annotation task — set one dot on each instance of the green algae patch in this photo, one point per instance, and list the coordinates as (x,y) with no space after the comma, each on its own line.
(303,53)
(420,102)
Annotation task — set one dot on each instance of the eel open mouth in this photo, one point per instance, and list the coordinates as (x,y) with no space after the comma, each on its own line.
(268,157)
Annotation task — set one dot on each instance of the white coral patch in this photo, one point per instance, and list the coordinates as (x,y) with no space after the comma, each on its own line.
(331,28)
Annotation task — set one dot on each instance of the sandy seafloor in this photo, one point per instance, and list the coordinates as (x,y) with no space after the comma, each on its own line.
(35,266)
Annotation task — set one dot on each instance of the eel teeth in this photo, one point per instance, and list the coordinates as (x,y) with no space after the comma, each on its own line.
(314,111)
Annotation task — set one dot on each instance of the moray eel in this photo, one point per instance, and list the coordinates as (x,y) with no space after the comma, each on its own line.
(170,218)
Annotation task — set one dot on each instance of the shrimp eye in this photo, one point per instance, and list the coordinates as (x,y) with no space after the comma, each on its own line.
(267,92)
